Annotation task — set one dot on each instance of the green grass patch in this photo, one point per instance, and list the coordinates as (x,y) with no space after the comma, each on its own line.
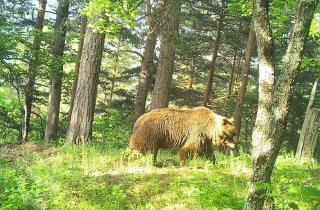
(93,177)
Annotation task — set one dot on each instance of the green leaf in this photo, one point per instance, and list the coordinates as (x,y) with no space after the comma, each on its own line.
(304,191)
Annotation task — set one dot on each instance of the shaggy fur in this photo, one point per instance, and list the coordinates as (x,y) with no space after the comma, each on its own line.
(193,131)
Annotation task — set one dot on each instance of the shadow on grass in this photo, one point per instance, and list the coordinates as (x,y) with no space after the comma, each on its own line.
(166,188)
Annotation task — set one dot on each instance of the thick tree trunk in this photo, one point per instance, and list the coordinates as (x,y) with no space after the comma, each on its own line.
(79,53)
(244,80)
(33,64)
(310,129)
(80,127)
(273,100)
(170,29)
(214,56)
(57,68)
(147,60)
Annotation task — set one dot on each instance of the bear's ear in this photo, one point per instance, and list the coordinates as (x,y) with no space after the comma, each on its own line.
(231,120)
(225,121)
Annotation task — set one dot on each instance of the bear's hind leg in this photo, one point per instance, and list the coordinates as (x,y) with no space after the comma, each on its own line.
(155,154)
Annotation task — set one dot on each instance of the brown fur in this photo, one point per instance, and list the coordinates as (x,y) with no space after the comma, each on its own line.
(193,131)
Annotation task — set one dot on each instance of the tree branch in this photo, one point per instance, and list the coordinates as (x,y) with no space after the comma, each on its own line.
(135,52)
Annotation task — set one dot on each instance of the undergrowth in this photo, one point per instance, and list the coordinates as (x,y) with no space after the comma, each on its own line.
(93,177)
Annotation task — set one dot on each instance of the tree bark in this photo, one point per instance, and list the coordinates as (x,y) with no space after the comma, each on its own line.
(273,100)
(170,30)
(310,128)
(33,65)
(147,60)
(80,127)
(244,80)
(214,56)
(60,31)
(79,53)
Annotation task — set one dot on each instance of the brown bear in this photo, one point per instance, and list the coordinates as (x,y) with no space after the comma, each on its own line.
(193,131)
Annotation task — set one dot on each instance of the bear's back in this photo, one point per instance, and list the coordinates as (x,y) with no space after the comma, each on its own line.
(176,122)
(170,114)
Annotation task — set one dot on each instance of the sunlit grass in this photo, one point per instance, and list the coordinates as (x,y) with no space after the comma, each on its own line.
(93,177)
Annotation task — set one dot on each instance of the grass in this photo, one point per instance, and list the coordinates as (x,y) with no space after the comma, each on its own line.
(34,176)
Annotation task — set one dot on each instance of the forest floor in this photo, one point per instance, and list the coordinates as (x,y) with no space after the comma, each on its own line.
(37,176)
(14,151)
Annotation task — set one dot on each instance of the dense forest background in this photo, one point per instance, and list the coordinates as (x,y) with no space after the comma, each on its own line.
(31,64)
(83,71)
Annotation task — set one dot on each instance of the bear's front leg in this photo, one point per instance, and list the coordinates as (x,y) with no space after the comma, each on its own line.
(186,152)
(208,152)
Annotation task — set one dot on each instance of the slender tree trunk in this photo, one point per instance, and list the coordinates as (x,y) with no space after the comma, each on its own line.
(310,128)
(231,81)
(191,75)
(79,53)
(160,97)
(115,70)
(246,143)
(33,65)
(57,68)
(214,56)
(80,127)
(244,80)
(235,65)
(273,100)
(113,80)
(235,76)
(147,60)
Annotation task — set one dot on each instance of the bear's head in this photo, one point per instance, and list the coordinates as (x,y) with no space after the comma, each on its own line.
(227,133)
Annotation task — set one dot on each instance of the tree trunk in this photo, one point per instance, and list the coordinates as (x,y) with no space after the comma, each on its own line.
(235,76)
(246,143)
(244,80)
(113,80)
(191,75)
(60,31)
(310,128)
(75,79)
(33,65)
(80,127)
(214,56)
(273,100)
(231,81)
(170,30)
(147,60)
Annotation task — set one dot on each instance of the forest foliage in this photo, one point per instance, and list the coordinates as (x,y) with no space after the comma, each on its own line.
(119,71)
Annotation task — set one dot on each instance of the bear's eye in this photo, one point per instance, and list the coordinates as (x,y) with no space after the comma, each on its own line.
(230,135)
(224,135)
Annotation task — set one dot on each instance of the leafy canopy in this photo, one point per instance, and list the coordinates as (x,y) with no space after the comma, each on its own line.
(112,15)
